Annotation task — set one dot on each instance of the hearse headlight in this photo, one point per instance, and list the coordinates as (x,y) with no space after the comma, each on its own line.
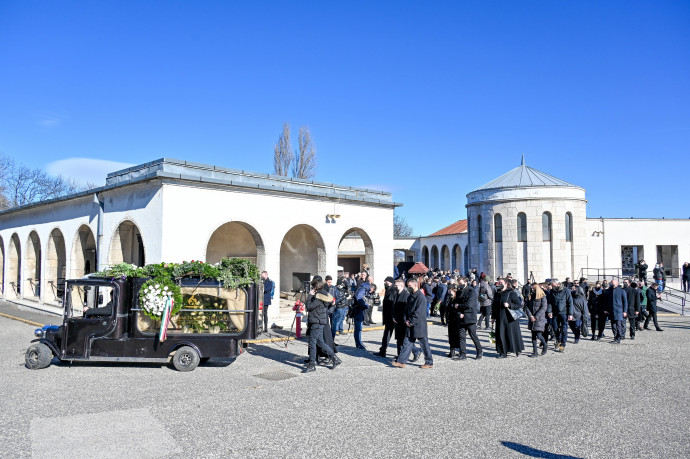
(39,333)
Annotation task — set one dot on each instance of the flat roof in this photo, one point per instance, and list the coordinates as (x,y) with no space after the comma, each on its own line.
(188,171)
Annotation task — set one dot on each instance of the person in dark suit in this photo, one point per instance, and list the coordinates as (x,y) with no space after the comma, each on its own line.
(597,308)
(535,309)
(617,310)
(360,307)
(269,288)
(317,305)
(465,306)
(633,298)
(652,296)
(415,319)
(399,315)
(388,303)
(453,325)
(508,335)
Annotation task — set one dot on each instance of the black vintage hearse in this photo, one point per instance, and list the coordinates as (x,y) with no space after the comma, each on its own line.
(103,323)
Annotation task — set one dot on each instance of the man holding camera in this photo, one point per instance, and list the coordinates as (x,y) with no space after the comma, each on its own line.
(360,307)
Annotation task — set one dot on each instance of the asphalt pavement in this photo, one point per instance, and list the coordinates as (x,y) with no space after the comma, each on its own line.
(594,400)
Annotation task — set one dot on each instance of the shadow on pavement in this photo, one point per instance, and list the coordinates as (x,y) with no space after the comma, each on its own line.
(533,452)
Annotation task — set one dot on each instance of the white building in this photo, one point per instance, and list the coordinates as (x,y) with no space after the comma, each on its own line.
(170,210)
(535,226)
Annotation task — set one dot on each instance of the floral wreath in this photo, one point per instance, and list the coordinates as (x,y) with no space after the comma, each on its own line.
(155,292)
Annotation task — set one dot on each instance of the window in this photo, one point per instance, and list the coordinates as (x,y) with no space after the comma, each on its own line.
(522,227)
(479,228)
(498,228)
(569,227)
(546,226)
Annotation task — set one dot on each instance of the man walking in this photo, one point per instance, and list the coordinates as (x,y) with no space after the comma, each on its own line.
(597,308)
(415,319)
(466,304)
(360,308)
(399,314)
(389,299)
(633,297)
(617,310)
(269,289)
(561,302)
(652,296)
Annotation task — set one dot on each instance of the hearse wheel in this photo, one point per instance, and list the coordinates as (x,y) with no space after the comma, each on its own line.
(38,356)
(186,359)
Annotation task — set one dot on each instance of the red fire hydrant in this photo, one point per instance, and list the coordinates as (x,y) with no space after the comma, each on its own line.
(299,309)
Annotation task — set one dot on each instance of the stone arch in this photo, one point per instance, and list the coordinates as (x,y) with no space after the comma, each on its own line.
(83,257)
(457,258)
(127,245)
(32,267)
(522,255)
(55,266)
(498,246)
(466,261)
(14,267)
(302,256)
(236,240)
(434,257)
(547,244)
(425,256)
(357,246)
(445,257)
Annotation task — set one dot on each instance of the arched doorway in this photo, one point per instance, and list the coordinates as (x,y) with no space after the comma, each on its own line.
(302,256)
(354,250)
(14,268)
(32,267)
(127,245)
(425,256)
(457,258)
(236,240)
(445,258)
(83,258)
(434,258)
(56,261)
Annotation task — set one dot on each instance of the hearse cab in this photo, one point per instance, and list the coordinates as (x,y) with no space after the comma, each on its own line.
(103,323)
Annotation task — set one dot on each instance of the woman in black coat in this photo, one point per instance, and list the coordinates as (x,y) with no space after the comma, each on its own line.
(536,313)
(507,331)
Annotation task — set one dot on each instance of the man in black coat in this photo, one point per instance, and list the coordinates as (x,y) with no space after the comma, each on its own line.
(399,314)
(652,296)
(388,303)
(464,306)
(561,302)
(415,319)
(269,287)
(317,305)
(633,305)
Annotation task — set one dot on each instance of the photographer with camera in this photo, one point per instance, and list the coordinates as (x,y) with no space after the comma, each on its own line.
(342,304)
(359,308)
(317,305)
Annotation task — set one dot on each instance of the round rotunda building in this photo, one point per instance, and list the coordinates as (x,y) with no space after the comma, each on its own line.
(528,224)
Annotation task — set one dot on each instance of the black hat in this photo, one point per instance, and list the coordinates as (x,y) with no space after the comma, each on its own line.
(389,279)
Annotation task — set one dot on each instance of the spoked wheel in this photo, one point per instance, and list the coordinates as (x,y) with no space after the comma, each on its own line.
(186,359)
(38,356)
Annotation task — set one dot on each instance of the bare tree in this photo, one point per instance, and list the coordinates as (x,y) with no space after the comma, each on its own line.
(282,153)
(304,166)
(21,185)
(400,227)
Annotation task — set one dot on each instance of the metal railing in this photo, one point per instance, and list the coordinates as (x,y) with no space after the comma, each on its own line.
(673,299)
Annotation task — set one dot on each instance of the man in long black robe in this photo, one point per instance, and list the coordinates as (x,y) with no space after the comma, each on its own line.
(507,331)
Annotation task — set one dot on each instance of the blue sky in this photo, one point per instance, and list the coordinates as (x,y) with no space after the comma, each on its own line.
(428,100)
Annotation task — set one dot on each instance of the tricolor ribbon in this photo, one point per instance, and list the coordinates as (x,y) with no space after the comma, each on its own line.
(165,318)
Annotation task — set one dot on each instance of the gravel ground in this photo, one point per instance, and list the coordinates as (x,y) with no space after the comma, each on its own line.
(594,400)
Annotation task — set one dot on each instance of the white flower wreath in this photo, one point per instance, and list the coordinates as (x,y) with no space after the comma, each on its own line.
(154,298)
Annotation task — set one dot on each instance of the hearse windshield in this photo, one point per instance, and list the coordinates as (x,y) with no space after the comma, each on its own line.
(89,301)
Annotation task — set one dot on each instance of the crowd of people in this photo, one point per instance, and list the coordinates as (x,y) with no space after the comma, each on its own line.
(466,304)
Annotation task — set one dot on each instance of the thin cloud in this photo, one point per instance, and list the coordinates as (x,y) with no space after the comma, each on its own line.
(50,119)
(85,170)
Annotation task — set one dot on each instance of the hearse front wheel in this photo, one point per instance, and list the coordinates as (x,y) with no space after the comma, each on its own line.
(38,356)
(186,359)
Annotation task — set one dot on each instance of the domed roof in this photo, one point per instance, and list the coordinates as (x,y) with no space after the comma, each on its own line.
(524,176)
